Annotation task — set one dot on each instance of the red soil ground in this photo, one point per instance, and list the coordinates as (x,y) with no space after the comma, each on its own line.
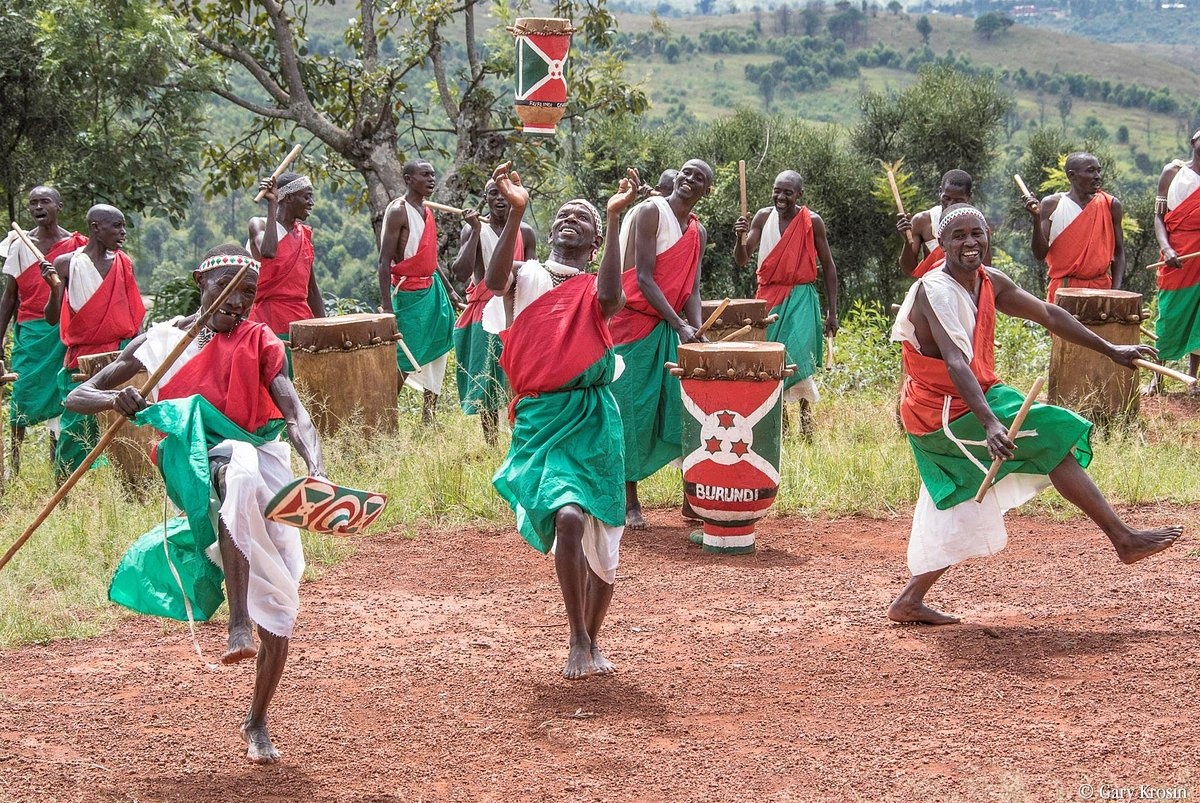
(427,669)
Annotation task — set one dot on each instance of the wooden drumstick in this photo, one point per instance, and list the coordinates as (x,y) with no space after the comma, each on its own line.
(37,254)
(1151,266)
(434,205)
(1021,186)
(1165,371)
(287,161)
(1012,434)
(912,238)
(1148,333)
(112,431)
(745,207)
(829,340)
(408,355)
(735,334)
(8,378)
(704,327)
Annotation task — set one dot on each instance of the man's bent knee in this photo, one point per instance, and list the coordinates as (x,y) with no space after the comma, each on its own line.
(568,521)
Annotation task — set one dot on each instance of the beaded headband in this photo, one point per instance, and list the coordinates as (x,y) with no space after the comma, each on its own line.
(228,261)
(956,214)
(597,221)
(292,187)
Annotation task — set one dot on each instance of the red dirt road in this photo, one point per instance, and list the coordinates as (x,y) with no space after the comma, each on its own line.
(426,669)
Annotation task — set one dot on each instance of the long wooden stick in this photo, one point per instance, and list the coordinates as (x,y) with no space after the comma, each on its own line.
(1148,333)
(409,356)
(1012,435)
(912,238)
(704,327)
(454,210)
(112,431)
(287,161)
(1152,265)
(37,254)
(745,206)
(1165,371)
(829,340)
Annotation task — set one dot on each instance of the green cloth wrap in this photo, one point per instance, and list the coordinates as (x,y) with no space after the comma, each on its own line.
(649,400)
(481,381)
(37,357)
(1178,325)
(425,319)
(799,329)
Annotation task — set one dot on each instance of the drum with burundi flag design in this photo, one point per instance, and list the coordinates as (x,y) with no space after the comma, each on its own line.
(541,80)
(732,417)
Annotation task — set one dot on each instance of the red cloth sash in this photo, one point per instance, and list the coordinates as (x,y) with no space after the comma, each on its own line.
(32,288)
(478,295)
(792,261)
(113,313)
(234,372)
(283,282)
(565,322)
(1183,233)
(936,257)
(416,272)
(1083,252)
(674,273)
(927,382)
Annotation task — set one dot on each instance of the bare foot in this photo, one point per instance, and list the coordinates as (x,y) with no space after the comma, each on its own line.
(260,749)
(1138,544)
(240,646)
(600,664)
(634,520)
(918,613)
(579,662)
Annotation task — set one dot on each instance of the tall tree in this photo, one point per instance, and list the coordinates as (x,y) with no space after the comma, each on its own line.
(924,27)
(411,78)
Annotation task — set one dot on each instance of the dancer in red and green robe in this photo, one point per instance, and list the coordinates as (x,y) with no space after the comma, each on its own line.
(790,239)
(287,289)
(957,414)
(412,285)
(481,382)
(564,468)
(1177,227)
(96,303)
(38,351)
(222,406)
(662,310)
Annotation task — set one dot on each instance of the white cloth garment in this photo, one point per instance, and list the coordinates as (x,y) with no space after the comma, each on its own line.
(669,231)
(17,258)
(935,218)
(942,538)
(1063,215)
(601,543)
(488,238)
(252,478)
(771,235)
(1186,182)
(85,279)
(256,251)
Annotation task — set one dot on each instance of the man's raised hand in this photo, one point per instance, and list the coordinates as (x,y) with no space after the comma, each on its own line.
(509,185)
(267,185)
(626,194)
(471,218)
(903,224)
(129,402)
(1032,205)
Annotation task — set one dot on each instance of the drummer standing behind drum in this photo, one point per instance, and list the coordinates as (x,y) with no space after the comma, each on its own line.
(790,240)
(564,468)
(287,288)
(409,285)
(476,350)
(662,310)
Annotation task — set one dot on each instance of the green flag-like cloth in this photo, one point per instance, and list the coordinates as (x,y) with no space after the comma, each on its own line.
(648,397)
(1178,325)
(477,367)
(143,581)
(799,329)
(37,357)
(1047,436)
(424,318)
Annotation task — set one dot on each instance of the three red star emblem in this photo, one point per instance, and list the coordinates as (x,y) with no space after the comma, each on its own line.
(725,419)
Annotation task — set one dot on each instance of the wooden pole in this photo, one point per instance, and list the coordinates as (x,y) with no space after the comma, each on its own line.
(112,431)
(54,280)
(704,327)
(742,185)
(1012,434)
(454,210)
(1165,371)
(912,238)
(1151,266)
(287,161)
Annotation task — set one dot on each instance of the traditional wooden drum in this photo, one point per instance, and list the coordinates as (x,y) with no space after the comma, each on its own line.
(740,313)
(541,85)
(1085,380)
(346,366)
(732,418)
(131,451)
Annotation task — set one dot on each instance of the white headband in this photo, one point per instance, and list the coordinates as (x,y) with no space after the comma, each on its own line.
(596,219)
(955,214)
(228,261)
(292,187)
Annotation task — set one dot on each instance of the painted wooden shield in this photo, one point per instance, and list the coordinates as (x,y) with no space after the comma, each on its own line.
(320,506)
